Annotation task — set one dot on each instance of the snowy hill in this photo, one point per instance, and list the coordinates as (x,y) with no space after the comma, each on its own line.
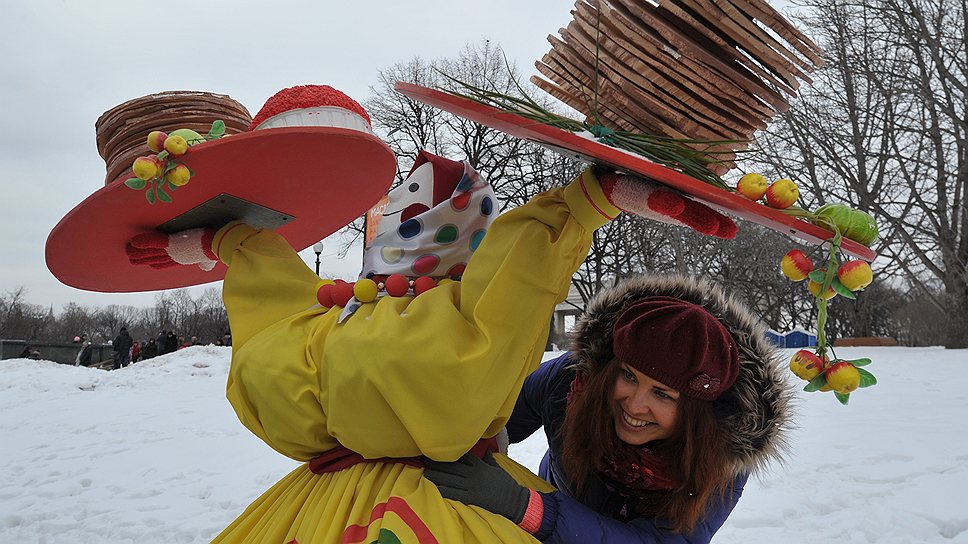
(153,453)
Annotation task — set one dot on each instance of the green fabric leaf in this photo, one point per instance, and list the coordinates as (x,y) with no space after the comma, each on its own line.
(866,378)
(150,195)
(135,183)
(170,166)
(816,383)
(842,398)
(841,290)
(162,156)
(817,276)
(860,362)
(217,130)
(163,196)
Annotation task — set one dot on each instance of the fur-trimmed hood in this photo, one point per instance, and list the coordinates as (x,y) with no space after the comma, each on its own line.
(755,410)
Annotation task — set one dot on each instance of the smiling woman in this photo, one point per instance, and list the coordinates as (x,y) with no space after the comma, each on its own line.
(669,399)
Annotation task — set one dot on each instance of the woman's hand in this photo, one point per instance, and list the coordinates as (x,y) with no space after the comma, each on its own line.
(479,482)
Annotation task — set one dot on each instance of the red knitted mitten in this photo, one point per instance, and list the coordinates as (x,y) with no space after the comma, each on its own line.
(652,200)
(160,250)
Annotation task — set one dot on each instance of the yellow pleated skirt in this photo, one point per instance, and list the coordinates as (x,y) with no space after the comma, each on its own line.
(372,503)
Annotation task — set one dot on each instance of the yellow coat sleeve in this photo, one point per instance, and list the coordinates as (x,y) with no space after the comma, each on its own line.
(403,376)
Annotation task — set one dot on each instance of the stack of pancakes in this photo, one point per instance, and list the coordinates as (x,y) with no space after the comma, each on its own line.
(122,131)
(694,69)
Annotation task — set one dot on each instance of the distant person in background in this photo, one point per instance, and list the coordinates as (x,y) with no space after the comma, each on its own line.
(150,350)
(227,339)
(83,357)
(122,348)
(30,352)
(135,352)
(182,343)
(171,342)
(195,341)
(162,342)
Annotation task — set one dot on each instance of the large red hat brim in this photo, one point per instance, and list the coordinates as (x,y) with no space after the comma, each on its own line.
(573,145)
(310,180)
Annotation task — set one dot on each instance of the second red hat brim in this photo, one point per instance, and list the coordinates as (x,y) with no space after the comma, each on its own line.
(304,182)
(576,146)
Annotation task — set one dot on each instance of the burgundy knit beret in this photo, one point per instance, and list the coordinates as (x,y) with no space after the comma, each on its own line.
(679,344)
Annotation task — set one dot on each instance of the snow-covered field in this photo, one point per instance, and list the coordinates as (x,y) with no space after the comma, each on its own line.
(154,454)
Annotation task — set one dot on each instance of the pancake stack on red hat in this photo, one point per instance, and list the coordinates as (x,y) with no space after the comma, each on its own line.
(122,131)
(309,165)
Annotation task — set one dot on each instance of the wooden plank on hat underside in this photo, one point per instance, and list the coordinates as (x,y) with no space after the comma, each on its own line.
(693,17)
(646,17)
(616,106)
(755,26)
(757,43)
(651,49)
(765,13)
(650,98)
(611,103)
(577,84)
(686,97)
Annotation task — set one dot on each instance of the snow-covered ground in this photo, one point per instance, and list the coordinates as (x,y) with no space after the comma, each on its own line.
(154,454)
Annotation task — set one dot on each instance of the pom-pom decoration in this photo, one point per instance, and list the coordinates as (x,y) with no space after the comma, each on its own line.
(342,293)
(397,285)
(324,293)
(365,290)
(423,284)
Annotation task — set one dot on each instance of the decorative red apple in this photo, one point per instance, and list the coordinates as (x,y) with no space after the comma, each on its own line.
(156,141)
(782,193)
(752,186)
(855,275)
(796,265)
(807,365)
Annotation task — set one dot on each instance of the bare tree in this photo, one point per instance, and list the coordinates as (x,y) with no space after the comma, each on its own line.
(884,129)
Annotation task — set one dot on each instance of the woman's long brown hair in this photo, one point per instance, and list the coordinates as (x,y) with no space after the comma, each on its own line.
(696,451)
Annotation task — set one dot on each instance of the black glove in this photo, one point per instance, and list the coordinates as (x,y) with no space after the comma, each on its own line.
(479,482)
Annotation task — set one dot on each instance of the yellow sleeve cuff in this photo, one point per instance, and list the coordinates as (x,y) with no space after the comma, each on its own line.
(587,201)
(229,237)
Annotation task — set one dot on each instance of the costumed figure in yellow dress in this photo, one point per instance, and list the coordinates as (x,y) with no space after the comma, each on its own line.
(359,385)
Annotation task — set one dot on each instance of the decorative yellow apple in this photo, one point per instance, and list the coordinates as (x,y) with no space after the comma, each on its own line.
(176,145)
(814,288)
(782,193)
(752,186)
(796,265)
(855,275)
(179,175)
(146,168)
(156,140)
(807,365)
(842,377)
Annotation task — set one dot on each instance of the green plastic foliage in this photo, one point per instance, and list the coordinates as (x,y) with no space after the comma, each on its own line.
(866,378)
(854,224)
(135,183)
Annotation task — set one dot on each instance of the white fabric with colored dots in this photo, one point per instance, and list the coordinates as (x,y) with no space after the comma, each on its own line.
(439,241)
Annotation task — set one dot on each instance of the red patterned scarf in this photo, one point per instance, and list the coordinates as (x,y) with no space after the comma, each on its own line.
(630,469)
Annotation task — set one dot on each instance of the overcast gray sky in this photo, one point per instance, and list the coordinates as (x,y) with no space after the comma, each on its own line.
(64,62)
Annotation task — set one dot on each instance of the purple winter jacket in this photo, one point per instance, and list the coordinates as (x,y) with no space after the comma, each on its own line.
(753,413)
(592,519)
